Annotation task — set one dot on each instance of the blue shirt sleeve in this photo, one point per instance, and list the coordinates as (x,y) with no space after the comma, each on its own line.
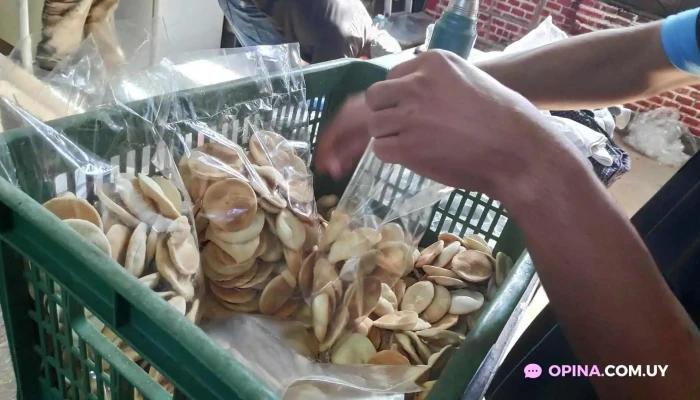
(679,37)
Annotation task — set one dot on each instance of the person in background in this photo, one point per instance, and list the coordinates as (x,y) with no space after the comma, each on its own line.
(471,131)
(325,29)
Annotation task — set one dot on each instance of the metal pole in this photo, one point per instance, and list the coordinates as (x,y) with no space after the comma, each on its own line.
(157,25)
(24,38)
(536,16)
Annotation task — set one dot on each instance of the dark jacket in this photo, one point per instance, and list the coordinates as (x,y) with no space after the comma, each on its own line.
(325,29)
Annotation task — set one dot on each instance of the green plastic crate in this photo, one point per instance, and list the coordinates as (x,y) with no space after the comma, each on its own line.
(36,249)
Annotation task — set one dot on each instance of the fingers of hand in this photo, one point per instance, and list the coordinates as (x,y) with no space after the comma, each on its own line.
(406,67)
(388,149)
(391,92)
(430,61)
(345,138)
(388,122)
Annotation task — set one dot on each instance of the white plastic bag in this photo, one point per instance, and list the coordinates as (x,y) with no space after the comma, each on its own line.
(657,134)
(281,354)
(545,33)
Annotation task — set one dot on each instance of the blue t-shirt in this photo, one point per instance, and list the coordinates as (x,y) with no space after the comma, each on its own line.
(679,37)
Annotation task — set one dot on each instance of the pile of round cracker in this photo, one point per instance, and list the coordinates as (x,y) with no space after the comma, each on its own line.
(141,226)
(377,300)
(256,220)
(367,295)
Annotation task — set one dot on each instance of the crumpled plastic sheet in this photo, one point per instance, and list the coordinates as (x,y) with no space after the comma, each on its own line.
(266,346)
(657,134)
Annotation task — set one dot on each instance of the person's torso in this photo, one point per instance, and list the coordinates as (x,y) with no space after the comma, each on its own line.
(345,24)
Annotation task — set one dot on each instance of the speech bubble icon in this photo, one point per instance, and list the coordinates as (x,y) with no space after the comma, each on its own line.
(533,371)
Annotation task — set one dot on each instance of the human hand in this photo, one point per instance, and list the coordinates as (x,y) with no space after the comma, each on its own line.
(344,141)
(445,120)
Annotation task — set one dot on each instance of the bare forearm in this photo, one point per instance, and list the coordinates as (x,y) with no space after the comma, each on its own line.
(609,297)
(593,70)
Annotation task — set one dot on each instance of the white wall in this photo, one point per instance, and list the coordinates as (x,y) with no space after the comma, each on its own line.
(9,19)
(190,24)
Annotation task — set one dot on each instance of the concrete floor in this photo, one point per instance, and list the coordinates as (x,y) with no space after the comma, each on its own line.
(631,191)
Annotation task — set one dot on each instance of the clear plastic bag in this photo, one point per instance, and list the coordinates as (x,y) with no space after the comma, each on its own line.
(281,353)
(368,246)
(245,163)
(657,134)
(77,83)
(115,182)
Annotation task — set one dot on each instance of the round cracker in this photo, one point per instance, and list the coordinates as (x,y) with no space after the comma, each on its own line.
(114,208)
(150,280)
(135,260)
(272,177)
(140,205)
(262,275)
(152,191)
(290,230)
(247,307)
(300,190)
(184,255)
(197,187)
(180,284)
(293,168)
(273,204)
(230,204)
(66,194)
(118,236)
(266,145)
(273,249)
(243,236)
(71,207)
(216,160)
(205,166)
(169,190)
(240,252)
(388,357)
(239,281)
(275,294)
(232,295)
(214,258)
(92,233)
(476,242)
(293,258)
(151,241)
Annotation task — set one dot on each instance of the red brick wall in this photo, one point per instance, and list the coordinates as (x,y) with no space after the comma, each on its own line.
(504,21)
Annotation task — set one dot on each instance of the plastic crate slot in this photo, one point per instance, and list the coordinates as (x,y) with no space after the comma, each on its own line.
(71,352)
(84,367)
(37,315)
(460,206)
(278,117)
(61,183)
(442,211)
(97,373)
(54,332)
(228,129)
(489,225)
(130,163)
(146,159)
(114,160)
